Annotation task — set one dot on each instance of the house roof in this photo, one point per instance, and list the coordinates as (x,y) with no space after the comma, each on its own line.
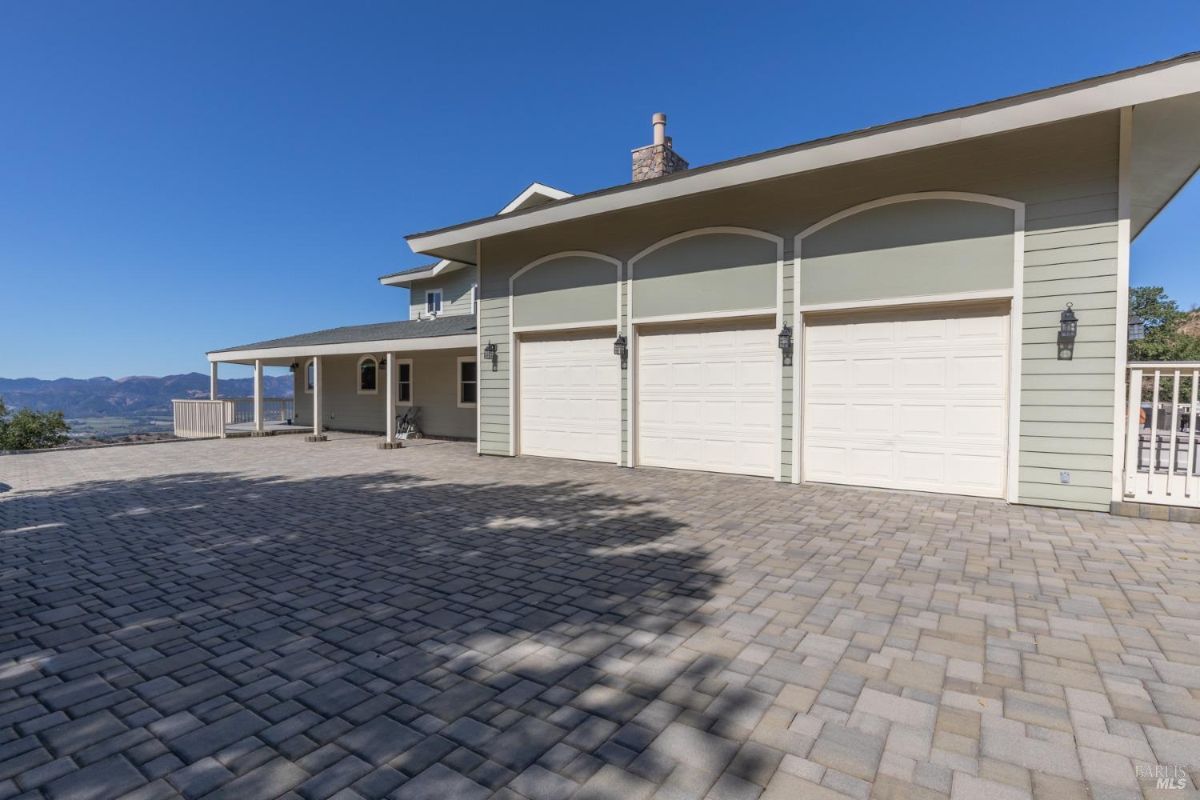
(455,325)
(534,195)
(413,271)
(1147,83)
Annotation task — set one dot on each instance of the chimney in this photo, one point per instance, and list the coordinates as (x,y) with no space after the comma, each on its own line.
(658,159)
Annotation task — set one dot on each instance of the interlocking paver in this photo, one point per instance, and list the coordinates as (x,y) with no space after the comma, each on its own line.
(265,618)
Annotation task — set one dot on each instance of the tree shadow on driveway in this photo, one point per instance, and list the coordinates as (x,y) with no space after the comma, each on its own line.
(247,636)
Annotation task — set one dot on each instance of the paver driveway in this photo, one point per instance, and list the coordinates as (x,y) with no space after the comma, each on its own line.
(251,618)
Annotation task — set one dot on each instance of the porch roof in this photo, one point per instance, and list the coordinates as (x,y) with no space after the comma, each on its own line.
(429,334)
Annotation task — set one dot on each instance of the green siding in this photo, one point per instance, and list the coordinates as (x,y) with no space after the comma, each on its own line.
(706,273)
(456,292)
(566,290)
(909,249)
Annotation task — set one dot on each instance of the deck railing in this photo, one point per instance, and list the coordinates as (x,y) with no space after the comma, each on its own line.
(275,409)
(1162,459)
(204,419)
(199,419)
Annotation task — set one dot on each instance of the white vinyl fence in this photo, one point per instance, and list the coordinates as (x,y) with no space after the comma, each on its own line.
(199,419)
(205,419)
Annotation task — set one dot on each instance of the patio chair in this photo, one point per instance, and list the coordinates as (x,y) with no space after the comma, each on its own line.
(407,424)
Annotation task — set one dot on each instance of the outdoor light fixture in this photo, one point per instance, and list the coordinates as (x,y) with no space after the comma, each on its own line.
(1137,328)
(491,353)
(1068,326)
(294,366)
(785,344)
(621,349)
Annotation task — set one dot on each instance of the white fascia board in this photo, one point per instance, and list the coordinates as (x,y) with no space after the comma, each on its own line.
(1093,97)
(409,277)
(350,348)
(530,191)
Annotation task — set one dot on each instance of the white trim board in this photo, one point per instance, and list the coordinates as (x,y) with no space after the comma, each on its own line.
(742,313)
(911,300)
(1106,93)
(1121,356)
(348,348)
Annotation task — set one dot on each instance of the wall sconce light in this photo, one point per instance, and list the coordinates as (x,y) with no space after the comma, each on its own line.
(492,353)
(785,344)
(621,348)
(1137,328)
(1068,327)
(294,366)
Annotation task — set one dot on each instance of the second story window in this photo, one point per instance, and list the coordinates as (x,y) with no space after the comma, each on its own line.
(433,302)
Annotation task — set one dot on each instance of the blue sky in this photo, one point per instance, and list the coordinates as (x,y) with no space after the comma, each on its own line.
(177,177)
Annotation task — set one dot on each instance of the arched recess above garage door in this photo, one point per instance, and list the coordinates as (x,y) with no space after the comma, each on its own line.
(915,245)
(571,288)
(706,272)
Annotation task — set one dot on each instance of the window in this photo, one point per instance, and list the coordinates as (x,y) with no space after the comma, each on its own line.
(368,372)
(404,388)
(433,301)
(468,382)
(310,377)
(474,298)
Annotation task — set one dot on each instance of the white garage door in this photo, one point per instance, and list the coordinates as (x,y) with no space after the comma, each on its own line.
(570,405)
(908,401)
(708,399)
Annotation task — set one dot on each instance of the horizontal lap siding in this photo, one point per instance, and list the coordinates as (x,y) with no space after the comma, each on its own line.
(494,384)
(456,292)
(1066,406)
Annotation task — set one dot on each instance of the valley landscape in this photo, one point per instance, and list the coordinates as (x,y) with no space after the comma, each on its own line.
(102,408)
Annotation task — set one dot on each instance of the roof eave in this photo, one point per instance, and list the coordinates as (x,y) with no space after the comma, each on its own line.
(1143,84)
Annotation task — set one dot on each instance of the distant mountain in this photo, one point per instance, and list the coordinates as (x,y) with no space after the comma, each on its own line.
(135,396)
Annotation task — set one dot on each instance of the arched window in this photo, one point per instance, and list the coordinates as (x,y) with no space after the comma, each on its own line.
(310,377)
(368,373)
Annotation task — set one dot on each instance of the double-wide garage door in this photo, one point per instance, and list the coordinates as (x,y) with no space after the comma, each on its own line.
(708,398)
(908,401)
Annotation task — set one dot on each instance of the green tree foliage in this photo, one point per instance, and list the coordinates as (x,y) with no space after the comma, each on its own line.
(30,430)
(1164,319)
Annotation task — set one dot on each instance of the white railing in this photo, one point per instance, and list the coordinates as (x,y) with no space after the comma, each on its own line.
(199,419)
(1162,463)
(275,409)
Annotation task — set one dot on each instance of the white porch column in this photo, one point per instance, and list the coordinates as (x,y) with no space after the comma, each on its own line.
(212,380)
(390,423)
(258,396)
(316,436)
(390,399)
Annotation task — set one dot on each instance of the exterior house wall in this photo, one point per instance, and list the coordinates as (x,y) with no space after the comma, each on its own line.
(434,389)
(456,292)
(1066,174)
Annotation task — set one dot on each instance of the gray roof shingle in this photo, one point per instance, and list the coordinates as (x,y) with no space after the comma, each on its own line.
(375,332)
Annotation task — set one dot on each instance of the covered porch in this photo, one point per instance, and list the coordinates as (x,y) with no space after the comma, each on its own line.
(367,379)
